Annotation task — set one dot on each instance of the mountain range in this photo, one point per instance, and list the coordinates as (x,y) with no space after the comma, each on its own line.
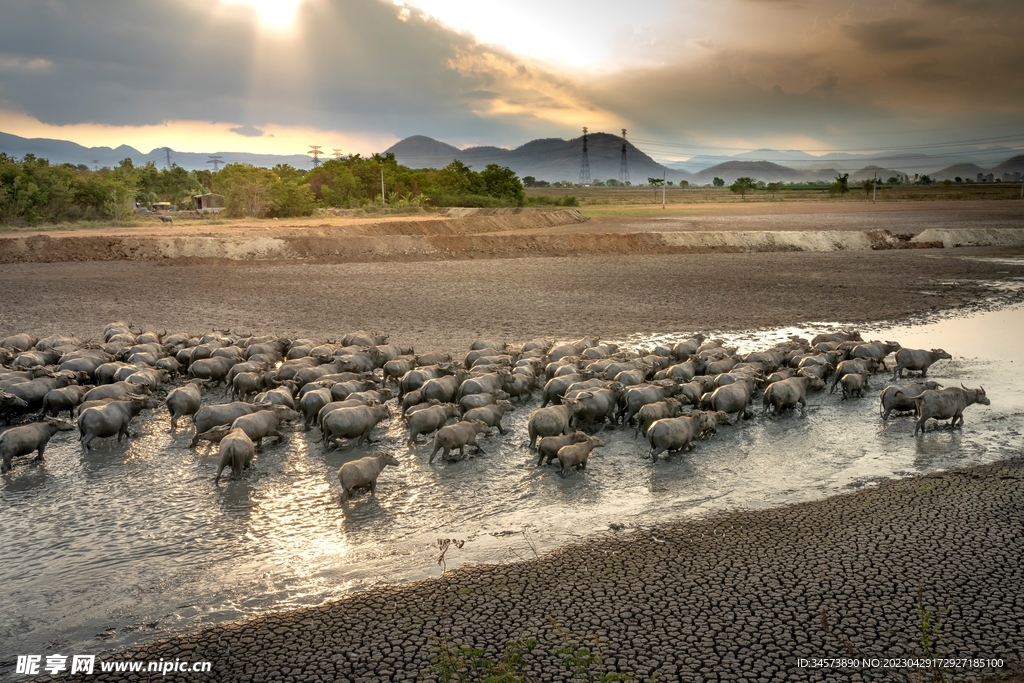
(554,159)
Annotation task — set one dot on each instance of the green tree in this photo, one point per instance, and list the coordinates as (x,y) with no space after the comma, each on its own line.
(773,188)
(718,182)
(841,185)
(743,185)
(248,190)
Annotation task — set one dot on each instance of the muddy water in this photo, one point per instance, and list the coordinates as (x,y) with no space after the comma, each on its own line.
(133,541)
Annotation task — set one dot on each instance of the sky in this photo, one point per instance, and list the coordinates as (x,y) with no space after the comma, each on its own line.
(683,76)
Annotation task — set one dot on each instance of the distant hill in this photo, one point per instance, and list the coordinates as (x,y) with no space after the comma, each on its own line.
(551,159)
(760,170)
(872,171)
(962,171)
(1011,165)
(64,152)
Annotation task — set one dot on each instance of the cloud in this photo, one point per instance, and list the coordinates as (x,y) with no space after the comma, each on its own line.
(718,71)
(248,131)
(890,35)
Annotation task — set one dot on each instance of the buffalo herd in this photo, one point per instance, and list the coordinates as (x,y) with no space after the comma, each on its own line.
(238,390)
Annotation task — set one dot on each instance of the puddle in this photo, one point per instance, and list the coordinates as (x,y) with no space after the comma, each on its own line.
(133,542)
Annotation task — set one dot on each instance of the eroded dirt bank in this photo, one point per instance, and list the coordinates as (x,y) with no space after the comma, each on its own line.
(739,597)
(448,304)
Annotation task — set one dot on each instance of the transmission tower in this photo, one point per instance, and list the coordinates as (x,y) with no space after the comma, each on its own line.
(95,164)
(585,162)
(623,163)
(167,153)
(216,161)
(315,151)
(337,154)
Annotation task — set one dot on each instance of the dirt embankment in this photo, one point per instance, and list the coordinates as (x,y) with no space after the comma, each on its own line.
(505,233)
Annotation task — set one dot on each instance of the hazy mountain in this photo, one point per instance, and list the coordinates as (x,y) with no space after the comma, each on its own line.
(873,171)
(550,159)
(962,171)
(64,152)
(1012,165)
(760,170)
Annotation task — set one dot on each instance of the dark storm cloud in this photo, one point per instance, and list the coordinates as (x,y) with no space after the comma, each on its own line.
(890,35)
(356,66)
(248,131)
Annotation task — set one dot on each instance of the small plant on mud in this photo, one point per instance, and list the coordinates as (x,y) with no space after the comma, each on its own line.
(931,624)
(583,661)
(457,664)
(443,544)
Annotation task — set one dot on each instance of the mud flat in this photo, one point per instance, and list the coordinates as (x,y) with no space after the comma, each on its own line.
(448,304)
(742,596)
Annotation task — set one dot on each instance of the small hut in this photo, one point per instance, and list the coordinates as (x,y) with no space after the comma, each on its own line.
(208,202)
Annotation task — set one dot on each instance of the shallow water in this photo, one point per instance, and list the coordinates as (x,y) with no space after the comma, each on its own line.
(134,541)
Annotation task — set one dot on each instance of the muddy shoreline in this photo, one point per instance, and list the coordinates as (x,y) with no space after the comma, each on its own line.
(739,596)
(446,305)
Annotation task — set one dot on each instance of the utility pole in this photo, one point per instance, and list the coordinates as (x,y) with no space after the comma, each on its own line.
(167,151)
(663,189)
(585,162)
(216,160)
(623,163)
(95,164)
(315,151)
(874,187)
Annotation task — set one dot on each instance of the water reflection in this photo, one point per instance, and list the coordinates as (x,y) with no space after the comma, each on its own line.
(137,534)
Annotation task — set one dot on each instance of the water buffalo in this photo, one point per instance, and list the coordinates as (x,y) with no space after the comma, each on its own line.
(208,417)
(18,342)
(598,405)
(65,398)
(947,403)
(473,401)
(577,454)
(356,422)
(110,419)
(236,451)
(34,391)
(363,473)
(27,438)
(634,398)
(837,337)
(283,395)
(185,400)
(901,397)
(551,420)
(652,412)
(121,391)
(916,359)
(876,350)
(429,420)
(258,425)
(10,405)
(487,383)
(246,384)
(211,369)
(458,435)
(861,366)
(854,383)
(789,393)
(490,414)
(684,349)
(732,398)
(443,388)
(674,433)
(311,403)
(549,446)
(556,387)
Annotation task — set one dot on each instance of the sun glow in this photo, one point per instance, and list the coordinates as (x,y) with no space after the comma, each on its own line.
(277,14)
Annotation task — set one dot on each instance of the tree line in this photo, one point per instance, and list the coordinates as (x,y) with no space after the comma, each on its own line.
(33,191)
